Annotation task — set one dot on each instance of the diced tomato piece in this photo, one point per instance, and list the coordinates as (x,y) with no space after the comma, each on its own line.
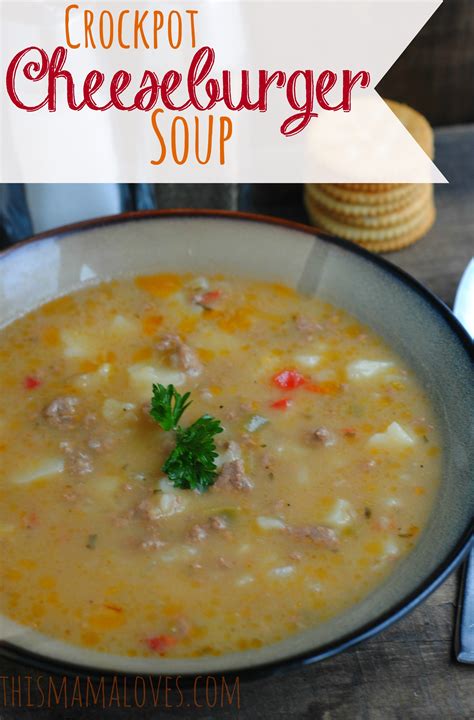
(289,379)
(208,299)
(282,404)
(161,643)
(211,296)
(31,382)
(349,432)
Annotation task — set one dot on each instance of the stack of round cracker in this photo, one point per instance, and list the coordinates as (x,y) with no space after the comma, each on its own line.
(380,217)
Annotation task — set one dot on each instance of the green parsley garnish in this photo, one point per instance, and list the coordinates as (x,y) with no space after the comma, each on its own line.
(191,465)
(167,406)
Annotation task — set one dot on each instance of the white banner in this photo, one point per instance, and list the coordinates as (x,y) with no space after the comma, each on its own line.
(206,91)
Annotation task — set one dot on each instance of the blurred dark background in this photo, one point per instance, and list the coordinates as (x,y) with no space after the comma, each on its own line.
(435,74)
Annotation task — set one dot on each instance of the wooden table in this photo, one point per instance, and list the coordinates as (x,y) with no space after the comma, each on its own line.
(408,671)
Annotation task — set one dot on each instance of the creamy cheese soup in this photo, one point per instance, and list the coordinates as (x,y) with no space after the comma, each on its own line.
(327,465)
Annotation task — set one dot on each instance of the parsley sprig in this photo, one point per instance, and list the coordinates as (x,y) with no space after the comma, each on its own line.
(191,464)
(167,406)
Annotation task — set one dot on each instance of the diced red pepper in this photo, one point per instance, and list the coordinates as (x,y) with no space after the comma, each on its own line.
(211,296)
(31,382)
(282,404)
(349,432)
(289,379)
(161,643)
(208,299)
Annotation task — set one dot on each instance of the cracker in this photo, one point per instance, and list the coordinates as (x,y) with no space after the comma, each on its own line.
(370,215)
(370,187)
(382,196)
(405,241)
(378,216)
(379,239)
(349,231)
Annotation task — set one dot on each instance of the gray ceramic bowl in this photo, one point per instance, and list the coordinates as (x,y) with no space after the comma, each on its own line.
(413,322)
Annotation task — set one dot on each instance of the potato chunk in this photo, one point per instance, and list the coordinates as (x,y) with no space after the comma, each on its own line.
(118,412)
(341,514)
(393,437)
(78,345)
(122,326)
(142,378)
(366,369)
(41,471)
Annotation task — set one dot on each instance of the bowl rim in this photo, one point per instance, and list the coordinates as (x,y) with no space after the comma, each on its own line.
(382,621)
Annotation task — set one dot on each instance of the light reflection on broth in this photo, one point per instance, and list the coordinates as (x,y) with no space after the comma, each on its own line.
(328,465)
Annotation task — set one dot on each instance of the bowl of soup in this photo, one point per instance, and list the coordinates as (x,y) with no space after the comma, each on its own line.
(227,443)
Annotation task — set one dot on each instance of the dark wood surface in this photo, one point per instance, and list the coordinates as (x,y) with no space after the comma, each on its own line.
(408,671)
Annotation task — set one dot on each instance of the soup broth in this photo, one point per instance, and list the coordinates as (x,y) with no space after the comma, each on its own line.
(327,465)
